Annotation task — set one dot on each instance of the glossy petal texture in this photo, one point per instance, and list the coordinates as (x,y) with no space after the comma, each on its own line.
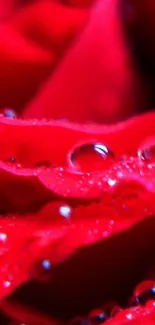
(32,43)
(55,218)
(97,80)
(123,189)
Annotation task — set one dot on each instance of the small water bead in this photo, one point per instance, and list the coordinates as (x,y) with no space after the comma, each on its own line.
(9,113)
(6,284)
(46,264)
(90,157)
(12,160)
(129,316)
(3,237)
(65,211)
(18,166)
(97,316)
(42,270)
(111,182)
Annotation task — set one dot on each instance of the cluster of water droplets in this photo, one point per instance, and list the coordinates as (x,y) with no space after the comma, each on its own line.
(100,170)
(144,297)
(92,156)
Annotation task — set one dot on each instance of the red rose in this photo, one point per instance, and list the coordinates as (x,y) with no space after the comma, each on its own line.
(77,200)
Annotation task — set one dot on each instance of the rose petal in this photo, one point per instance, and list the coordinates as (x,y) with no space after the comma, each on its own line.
(32,42)
(97,80)
(82,276)
(49,24)
(35,186)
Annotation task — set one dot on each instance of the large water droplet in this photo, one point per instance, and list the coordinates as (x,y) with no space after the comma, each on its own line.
(10,113)
(90,157)
(143,292)
(147,151)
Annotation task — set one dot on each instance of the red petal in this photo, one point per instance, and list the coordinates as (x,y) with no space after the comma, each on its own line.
(20,138)
(28,189)
(32,43)
(33,187)
(97,80)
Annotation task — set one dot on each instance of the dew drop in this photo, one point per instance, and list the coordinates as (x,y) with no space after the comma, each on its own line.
(42,270)
(6,284)
(12,160)
(9,113)
(3,237)
(144,291)
(147,151)
(97,316)
(112,308)
(43,163)
(90,157)
(65,211)
(46,264)
(18,166)
(129,316)
(111,182)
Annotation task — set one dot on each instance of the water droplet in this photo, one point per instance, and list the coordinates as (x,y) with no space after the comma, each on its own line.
(91,156)
(46,264)
(12,160)
(144,291)
(3,237)
(97,316)
(111,308)
(6,284)
(42,270)
(18,166)
(129,316)
(43,163)
(147,151)
(9,113)
(111,182)
(65,211)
